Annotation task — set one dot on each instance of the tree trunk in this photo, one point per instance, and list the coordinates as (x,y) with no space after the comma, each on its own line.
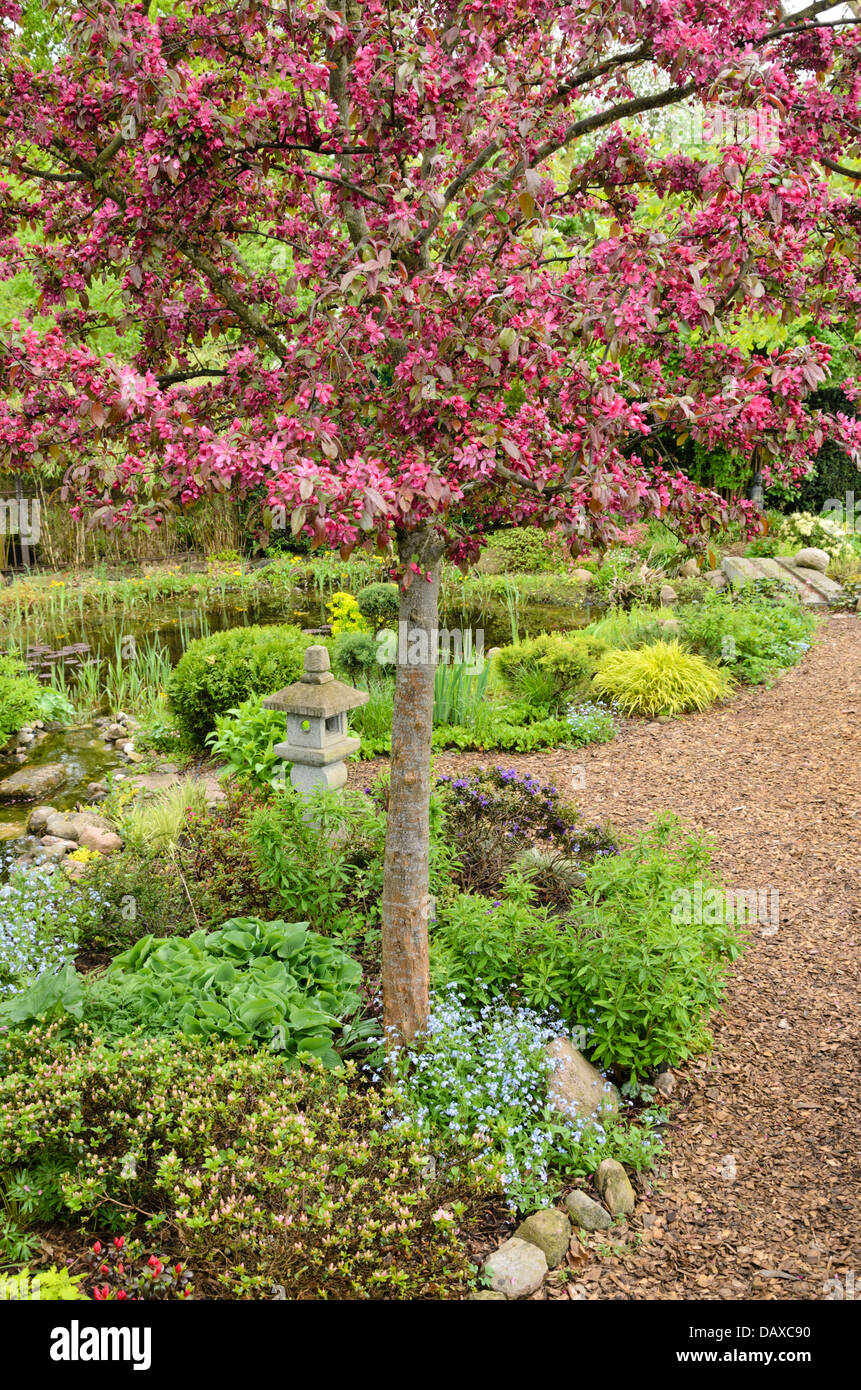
(405,882)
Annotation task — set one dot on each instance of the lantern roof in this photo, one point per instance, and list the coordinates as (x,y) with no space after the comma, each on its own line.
(316,695)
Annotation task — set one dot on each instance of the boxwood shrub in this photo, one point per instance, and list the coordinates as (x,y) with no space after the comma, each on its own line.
(218,672)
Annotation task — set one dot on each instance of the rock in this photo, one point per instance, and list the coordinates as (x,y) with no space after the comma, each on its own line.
(516,1269)
(550,1231)
(717,579)
(57,850)
(33,782)
(48,840)
(9,830)
(134,757)
(590,1215)
(812,558)
(61,826)
(97,789)
(858,606)
(74,868)
(577,1089)
(665,1083)
(671,627)
(582,576)
(102,841)
(115,731)
(668,596)
(68,826)
(38,818)
(689,569)
(483,1295)
(614,1186)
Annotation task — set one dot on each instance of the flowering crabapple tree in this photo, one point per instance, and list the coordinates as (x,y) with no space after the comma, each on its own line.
(391,267)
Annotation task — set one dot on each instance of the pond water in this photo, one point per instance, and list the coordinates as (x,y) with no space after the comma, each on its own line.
(171,623)
(85,758)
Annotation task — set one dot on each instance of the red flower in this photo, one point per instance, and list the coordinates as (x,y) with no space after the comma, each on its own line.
(121,1293)
(119,1242)
(97,1248)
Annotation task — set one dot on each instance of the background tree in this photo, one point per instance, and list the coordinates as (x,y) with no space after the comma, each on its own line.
(388,264)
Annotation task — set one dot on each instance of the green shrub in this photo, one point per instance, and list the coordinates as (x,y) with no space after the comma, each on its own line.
(326,869)
(550,669)
(19,696)
(660,679)
(47,1284)
(218,672)
(618,964)
(255,1176)
(526,550)
(753,634)
(380,604)
(245,738)
(354,654)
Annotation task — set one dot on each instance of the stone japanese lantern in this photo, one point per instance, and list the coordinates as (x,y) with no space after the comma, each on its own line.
(316,709)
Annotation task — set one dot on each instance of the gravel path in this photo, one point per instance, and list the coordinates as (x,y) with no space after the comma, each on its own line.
(774,776)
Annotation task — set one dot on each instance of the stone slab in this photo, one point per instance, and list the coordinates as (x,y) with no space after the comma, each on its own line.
(812,587)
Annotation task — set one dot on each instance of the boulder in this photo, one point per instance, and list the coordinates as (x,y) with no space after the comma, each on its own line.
(116,731)
(668,596)
(10,830)
(102,841)
(550,1230)
(689,569)
(516,1269)
(577,1089)
(482,1296)
(68,826)
(717,579)
(670,628)
(581,576)
(38,818)
(589,1215)
(31,783)
(48,840)
(615,1188)
(812,558)
(55,851)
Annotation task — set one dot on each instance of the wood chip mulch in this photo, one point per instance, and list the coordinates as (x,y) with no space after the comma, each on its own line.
(774,776)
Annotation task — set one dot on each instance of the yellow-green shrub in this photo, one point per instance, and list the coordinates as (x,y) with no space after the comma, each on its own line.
(660,679)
